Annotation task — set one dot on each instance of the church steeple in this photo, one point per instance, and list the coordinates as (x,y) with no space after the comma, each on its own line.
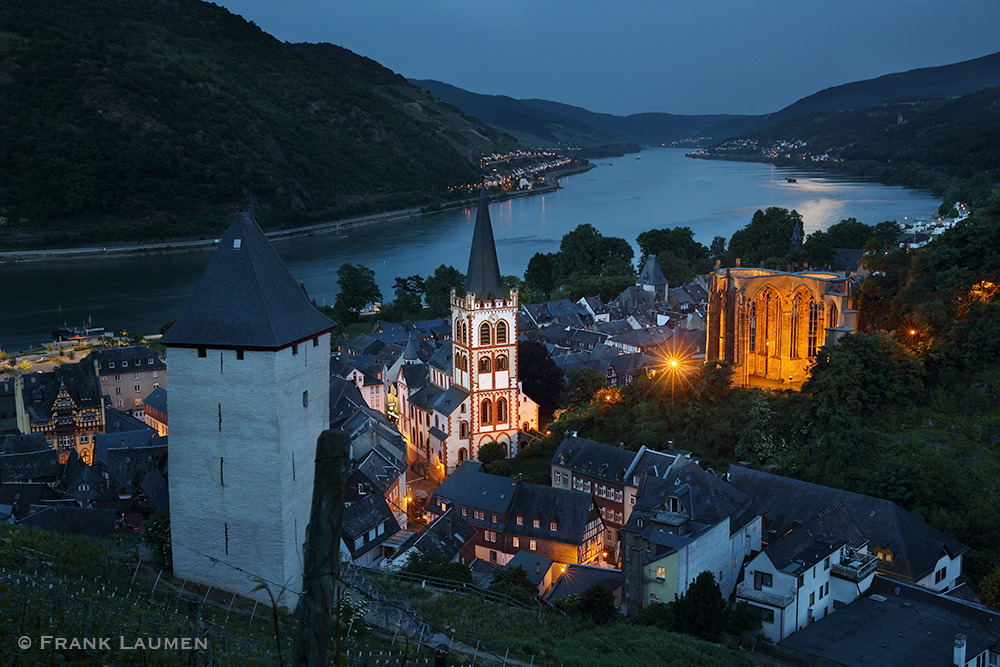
(796,240)
(483,277)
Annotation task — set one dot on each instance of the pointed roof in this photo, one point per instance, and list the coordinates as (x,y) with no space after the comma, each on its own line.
(410,351)
(483,277)
(651,273)
(246,298)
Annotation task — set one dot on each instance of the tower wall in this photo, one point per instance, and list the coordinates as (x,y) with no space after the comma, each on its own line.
(242,449)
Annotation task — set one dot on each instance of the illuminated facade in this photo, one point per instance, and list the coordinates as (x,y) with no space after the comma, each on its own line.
(770,325)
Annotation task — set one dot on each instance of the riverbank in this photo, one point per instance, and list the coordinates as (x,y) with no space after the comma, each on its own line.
(133,250)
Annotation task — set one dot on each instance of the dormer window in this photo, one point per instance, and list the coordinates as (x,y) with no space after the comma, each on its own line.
(519,520)
(536,523)
(553,526)
(111,364)
(150,361)
(124,363)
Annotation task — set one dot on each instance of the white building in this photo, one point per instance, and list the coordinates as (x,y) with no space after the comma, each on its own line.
(469,393)
(249,396)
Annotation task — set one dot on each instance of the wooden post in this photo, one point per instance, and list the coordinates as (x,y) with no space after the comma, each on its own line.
(322,550)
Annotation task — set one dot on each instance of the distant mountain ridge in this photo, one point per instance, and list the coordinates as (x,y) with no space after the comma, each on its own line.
(916,85)
(558,123)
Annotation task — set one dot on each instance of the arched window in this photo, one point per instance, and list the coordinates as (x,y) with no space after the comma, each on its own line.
(486,412)
(834,316)
(815,317)
(465,333)
(458,360)
(484,364)
(752,326)
(458,331)
(501,362)
(501,411)
(484,334)
(796,314)
(501,332)
(463,430)
(461,454)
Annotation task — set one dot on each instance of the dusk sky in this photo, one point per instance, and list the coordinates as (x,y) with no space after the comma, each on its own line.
(633,56)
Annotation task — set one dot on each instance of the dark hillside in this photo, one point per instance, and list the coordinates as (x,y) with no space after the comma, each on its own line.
(150,119)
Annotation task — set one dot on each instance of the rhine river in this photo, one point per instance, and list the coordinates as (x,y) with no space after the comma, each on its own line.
(620,197)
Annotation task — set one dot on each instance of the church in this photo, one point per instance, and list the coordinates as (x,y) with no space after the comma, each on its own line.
(770,325)
(468,393)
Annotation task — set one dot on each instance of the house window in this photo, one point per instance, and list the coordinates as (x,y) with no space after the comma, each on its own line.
(84,439)
(295,349)
(111,364)
(536,523)
(316,341)
(762,579)
(766,615)
(493,518)
(124,363)
(586,486)
(118,390)
(553,525)
(479,514)
(465,511)
(239,357)
(119,402)
(150,361)
(493,556)
(940,575)
(519,520)
(305,399)
(135,376)
(661,573)
(826,563)
(138,388)
(516,542)
(532,545)
(202,352)
(812,598)
(118,378)
(138,401)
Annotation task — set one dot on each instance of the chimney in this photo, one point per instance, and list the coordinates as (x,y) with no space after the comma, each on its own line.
(959,650)
(737,261)
(447,528)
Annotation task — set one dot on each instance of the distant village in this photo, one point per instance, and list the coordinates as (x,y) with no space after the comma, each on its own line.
(257,373)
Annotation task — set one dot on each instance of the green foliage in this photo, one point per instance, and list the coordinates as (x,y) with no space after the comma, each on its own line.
(438,286)
(767,235)
(540,276)
(540,378)
(492,451)
(127,122)
(433,566)
(680,257)
(701,611)
(357,289)
(156,533)
(586,252)
(513,582)
(581,385)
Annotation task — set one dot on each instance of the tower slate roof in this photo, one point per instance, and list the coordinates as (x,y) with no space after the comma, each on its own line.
(483,277)
(246,298)
(651,273)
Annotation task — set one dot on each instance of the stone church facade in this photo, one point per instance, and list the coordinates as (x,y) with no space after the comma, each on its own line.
(470,391)
(770,325)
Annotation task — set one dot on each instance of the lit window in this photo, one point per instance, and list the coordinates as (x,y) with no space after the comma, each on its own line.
(661,573)
(516,542)
(519,520)
(536,523)
(553,525)
(532,545)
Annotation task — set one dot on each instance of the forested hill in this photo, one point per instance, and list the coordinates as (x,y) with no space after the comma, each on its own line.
(149,119)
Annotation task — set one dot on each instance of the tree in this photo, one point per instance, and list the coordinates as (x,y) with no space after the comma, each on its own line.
(581,385)
(165,327)
(540,276)
(701,611)
(680,257)
(598,604)
(586,252)
(438,286)
(718,246)
(768,234)
(540,378)
(492,451)
(156,533)
(357,289)
(433,565)
(513,582)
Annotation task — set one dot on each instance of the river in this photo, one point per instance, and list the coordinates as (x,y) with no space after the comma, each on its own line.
(620,197)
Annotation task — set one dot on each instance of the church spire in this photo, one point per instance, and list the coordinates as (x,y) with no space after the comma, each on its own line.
(483,277)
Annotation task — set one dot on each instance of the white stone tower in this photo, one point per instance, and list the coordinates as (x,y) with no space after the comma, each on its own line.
(249,394)
(484,347)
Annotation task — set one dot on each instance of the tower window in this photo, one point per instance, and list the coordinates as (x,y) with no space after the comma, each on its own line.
(202,352)
(295,348)
(305,399)
(486,415)
(484,365)
(501,411)
(239,355)
(501,363)
(501,332)
(316,341)
(485,335)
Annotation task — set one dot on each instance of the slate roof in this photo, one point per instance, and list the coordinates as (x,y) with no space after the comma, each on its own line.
(82,482)
(157,399)
(912,626)
(915,544)
(154,485)
(40,464)
(814,540)
(18,443)
(578,578)
(441,359)
(471,486)
(76,521)
(444,401)
(80,381)
(380,468)
(445,537)
(483,277)
(705,498)
(22,495)
(362,516)
(594,458)
(415,375)
(120,422)
(535,565)
(651,273)
(571,510)
(125,465)
(246,298)
(136,358)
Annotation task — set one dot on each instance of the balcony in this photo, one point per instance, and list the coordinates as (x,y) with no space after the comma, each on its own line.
(769,596)
(857,568)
